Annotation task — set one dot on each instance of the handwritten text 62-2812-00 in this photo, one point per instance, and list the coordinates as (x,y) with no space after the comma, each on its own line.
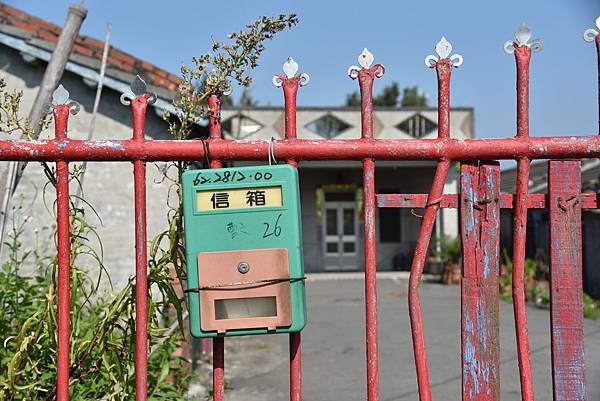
(207,177)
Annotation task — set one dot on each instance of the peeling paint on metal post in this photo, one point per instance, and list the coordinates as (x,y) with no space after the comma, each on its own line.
(450,201)
(566,282)
(290,83)
(139,98)
(61,108)
(443,64)
(557,147)
(366,75)
(522,48)
(215,136)
(480,222)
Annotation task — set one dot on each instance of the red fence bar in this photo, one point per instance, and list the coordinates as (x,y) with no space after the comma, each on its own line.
(566,295)
(480,228)
(522,48)
(589,200)
(366,76)
(214,130)
(572,147)
(215,136)
(443,65)
(61,119)
(290,83)
(218,369)
(139,102)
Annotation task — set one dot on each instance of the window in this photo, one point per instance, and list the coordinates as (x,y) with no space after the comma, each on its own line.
(417,126)
(240,126)
(327,126)
(389,225)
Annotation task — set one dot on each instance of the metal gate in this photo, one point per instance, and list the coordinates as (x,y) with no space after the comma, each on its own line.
(479,202)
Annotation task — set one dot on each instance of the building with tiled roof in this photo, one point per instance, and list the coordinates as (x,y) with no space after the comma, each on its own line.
(39,39)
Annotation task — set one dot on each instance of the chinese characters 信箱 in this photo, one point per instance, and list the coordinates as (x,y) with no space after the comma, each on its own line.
(229,199)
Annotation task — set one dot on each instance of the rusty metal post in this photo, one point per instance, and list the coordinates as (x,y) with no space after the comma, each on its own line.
(480,231)
(215,135)
(443,64)
(290,82)
(61,109)
(522,48)
(139,100)
(365,76)
(61,116)
(566,281)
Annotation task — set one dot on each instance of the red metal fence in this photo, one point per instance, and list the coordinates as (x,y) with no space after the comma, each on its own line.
(479,202)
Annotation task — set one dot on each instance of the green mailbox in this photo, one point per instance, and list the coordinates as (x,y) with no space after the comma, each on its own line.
(243,240)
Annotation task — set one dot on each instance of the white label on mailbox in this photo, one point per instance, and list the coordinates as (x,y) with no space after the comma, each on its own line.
(238,198)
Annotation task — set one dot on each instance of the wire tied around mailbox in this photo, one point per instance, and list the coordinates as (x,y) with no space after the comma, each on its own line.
(261,283)
(271,151)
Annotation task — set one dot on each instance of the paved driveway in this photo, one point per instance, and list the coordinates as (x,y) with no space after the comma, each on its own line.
(334,349)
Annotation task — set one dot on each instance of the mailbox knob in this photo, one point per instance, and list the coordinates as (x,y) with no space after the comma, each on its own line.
(243,267)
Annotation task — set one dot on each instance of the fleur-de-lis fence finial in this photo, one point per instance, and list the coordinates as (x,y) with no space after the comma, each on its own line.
(60,96)
(522,38)
(290,68)
(443,48)
(365,59)
(590,34)
(138,88)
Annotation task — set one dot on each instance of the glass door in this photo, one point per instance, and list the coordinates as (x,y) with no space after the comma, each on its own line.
(339,236)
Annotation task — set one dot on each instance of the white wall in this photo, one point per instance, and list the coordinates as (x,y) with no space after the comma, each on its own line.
(108,186)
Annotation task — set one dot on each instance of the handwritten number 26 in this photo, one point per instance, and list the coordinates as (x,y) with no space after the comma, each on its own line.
(276,231)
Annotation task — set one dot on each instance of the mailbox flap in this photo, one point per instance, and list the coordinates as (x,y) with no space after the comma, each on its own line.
(245,289)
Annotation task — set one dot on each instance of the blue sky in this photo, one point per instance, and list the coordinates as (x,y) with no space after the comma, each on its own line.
(399,33)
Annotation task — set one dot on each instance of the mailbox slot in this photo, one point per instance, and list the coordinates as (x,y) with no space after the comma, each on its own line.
(235,296)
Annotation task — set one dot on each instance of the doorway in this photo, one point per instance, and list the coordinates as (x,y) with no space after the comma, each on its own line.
(340,239)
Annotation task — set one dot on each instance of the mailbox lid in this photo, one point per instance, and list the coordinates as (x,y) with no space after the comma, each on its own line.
(258,298)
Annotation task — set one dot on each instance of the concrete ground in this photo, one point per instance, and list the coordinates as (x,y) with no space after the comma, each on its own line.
(334,347)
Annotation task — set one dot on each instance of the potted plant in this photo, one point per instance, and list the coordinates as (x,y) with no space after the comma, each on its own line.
(448,250)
